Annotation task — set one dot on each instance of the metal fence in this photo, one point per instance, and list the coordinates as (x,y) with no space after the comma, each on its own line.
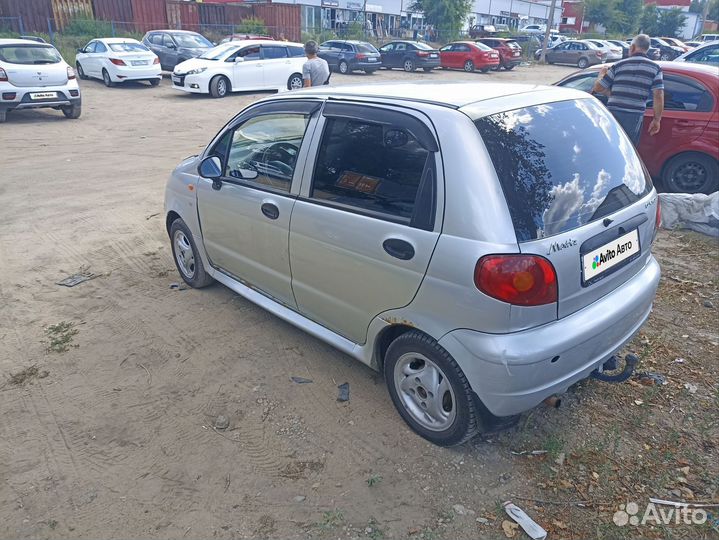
(11,25)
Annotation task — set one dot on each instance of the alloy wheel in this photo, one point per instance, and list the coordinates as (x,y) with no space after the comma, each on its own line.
(184,254)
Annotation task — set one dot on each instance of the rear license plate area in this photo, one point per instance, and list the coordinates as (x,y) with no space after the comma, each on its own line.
(611,256)
(43,95)
(139,62)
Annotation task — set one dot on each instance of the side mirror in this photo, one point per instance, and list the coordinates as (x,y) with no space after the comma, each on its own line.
(239,59)
(210,168)
(81,50)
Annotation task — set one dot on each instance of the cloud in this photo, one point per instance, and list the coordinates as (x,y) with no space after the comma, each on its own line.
(567,199)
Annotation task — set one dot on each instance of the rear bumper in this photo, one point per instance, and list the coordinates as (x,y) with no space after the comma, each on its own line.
(137,73)
(512,373)
(366,65)
(427,62)
(23,99)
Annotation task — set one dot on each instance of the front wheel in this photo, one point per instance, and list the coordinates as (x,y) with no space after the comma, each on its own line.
(691,172)
(344,68)
(73,111)
(430,390)
(187,259)
(469,66)
(219,86)
(80,71)
(295,82)
(583,63)
(106,79)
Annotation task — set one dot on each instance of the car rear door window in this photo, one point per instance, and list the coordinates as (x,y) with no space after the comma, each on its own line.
(270,52)
(373,167)
(296,51)
(684,94)
(562,165)
(707,55)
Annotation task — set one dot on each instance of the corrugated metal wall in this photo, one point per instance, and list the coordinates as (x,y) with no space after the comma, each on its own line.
(280,18)
(183,15)
(66,10)
(212,13)
(113,10)
(34,13)
(149,15)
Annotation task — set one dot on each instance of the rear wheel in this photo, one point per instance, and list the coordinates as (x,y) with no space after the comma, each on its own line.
(219,86)
(106,79)
(295,82)
(582,63)
(187,258)
(73,111)
(691,172)
(509,67)
(430,390)
(408,65)
(80,71)
(469,66)
(344,68)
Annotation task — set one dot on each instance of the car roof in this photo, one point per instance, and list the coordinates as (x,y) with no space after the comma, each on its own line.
(244,42)
(451,94)
(171,31)
(687,68)
(13,41)
(117,40)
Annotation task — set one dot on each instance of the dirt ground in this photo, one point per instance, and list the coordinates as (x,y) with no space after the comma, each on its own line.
(109,390)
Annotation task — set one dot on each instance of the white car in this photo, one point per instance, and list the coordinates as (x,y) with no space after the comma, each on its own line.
(241,65)
(116,60)
(612,52)
(33,75)
(533,29)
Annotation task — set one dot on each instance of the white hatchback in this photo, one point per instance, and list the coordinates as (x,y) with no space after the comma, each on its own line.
(115,60)
(242,65)
(33,75)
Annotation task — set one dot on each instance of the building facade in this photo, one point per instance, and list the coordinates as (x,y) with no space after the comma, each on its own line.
(514,13)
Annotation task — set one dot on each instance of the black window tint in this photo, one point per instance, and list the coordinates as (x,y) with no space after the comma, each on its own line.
(296,51)
(167,41)
(100,47)
(373,167)
(683,94)
(346,47)
(584,83)
(90,47)
(368,48)
(270,53)
(562,165)
(269,145)
(401,47)
(250,53)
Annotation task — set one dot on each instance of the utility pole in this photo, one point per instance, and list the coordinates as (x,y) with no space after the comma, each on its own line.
(547,32)
(705,12)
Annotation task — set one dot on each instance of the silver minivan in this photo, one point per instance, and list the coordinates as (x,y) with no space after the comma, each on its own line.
(485,246)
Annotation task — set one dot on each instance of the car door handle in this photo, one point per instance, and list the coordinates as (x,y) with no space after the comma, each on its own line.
(399,249)
(270,211)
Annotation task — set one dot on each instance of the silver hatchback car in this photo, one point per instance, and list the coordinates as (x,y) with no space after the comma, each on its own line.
(485,246)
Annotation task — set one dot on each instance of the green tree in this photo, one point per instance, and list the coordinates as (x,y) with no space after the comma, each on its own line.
(626,16)
(649,21)
(670,22)
(447,16)
(697,6)
(599,12)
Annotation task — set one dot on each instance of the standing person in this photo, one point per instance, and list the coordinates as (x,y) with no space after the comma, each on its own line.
(629,84)
(415,31)
(316,71)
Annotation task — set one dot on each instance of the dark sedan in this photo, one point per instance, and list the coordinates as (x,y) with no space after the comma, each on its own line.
(409,55)
(666,51)
(346,56)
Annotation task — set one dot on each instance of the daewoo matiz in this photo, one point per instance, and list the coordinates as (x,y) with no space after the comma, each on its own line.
(446,239)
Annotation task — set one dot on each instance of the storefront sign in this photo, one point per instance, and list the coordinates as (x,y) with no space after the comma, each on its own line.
(374,8)
(330,3)
(355,5)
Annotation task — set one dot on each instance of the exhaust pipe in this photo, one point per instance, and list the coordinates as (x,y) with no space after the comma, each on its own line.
(553,401)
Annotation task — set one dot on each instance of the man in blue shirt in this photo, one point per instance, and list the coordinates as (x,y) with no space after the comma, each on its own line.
(629,84)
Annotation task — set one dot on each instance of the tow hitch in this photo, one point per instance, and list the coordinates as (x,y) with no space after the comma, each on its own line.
(630,362)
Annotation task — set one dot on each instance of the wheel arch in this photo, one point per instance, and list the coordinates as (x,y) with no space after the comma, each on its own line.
(171,216)
(385,338)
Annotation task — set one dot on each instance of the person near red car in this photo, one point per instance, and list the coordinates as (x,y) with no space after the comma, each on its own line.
(630,84)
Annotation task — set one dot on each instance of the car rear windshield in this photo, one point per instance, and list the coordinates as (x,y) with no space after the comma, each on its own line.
(423,46)
(191,41)
(482,46)
(562,165)
(128,47)
(29,54)
(366,48)
(513,44)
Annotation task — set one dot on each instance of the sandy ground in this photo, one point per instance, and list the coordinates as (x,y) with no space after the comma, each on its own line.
(113,436)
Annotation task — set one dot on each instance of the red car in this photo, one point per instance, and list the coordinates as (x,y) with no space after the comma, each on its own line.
(684,156)
(468,55)
(510,52)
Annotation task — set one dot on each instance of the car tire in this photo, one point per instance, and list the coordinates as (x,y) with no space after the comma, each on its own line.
(343,68)
(582,63)
(412,364)
(295,82)
(73,111)
(80,71)
(186,257)
(155,82)
(106,79)
(219,86)
(508,67)
(408,65)
(469,66)
(691,172)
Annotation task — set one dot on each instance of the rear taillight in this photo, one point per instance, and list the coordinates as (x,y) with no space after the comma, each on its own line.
(70,73)
(422,54)
(118,62)
(522,280)
(156,60)
(3,75)
(361,56)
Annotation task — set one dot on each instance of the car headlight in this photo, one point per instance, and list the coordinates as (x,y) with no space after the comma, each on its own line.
(196,71)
